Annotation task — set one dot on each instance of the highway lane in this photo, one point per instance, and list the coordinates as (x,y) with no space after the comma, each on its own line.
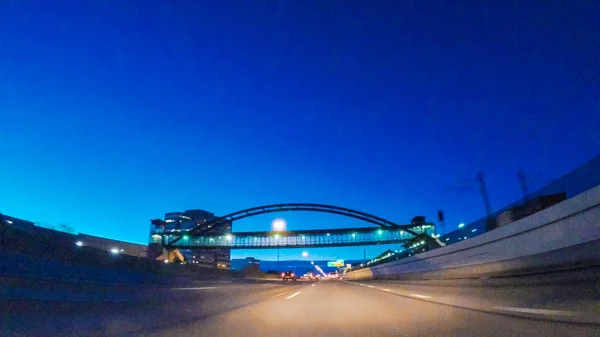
(336,308)
(568,296)
(330,308)
(118,309)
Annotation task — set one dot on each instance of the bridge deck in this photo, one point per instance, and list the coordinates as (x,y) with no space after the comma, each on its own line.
(299,239)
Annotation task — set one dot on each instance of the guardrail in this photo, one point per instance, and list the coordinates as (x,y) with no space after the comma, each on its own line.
(562,236)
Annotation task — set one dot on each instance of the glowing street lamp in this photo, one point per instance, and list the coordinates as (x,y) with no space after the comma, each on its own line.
(278,224)
(304,254)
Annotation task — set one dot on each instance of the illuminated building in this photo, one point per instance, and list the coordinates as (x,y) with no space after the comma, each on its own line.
(182,221)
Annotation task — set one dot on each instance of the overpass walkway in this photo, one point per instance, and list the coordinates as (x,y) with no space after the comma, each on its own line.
(298,239)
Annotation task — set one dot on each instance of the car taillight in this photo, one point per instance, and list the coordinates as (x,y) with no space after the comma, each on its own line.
(292,274)
(282,274)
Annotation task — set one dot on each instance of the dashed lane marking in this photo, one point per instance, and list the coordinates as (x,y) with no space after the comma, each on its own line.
(283,293)
(292,295)
(419,296)
(539,311)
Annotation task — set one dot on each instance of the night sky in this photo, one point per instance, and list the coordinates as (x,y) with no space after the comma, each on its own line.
(115,112)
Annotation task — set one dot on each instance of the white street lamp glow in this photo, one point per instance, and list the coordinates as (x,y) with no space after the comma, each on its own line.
(278,224)
(305,254)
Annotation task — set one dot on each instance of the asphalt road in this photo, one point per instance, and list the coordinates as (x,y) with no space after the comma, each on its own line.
(329,308)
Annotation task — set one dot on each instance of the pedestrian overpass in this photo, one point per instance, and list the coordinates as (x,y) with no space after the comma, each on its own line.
(299,239)
(208,235)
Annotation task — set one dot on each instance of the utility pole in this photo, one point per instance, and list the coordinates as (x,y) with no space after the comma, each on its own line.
(278,259)
(365,256)
(484,194)
(523,183)
(441,219)
(486,202)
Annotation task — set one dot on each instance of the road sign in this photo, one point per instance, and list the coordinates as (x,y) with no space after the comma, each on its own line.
(338,263)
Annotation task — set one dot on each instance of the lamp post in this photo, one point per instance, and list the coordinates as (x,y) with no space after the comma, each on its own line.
(278,225)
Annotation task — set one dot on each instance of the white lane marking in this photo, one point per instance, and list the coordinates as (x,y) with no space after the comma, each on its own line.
(539,311)
(371,286)
(419,296)
(194,288)
(312,285)
(283,293)
(292,295)
(385,289)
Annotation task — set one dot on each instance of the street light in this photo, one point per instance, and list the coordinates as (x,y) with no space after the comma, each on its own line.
(278,224)
(304,254)
(461,225)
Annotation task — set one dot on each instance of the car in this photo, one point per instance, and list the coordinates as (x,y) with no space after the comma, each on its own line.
(288,275)
(312,277)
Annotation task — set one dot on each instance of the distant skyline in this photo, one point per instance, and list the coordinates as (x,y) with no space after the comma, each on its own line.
(113,113)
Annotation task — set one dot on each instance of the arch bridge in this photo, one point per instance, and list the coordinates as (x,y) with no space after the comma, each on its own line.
(209,234)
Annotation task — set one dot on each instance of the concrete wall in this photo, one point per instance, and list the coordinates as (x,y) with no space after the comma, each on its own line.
(565,235)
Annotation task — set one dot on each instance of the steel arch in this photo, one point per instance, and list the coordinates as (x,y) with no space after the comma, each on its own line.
(245,213)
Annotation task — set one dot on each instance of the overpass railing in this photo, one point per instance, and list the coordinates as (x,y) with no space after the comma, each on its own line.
(299,239)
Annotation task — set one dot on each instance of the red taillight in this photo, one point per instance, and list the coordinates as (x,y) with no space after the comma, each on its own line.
(292,274)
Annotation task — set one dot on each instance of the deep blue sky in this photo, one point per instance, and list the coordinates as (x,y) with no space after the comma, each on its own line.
(115,112)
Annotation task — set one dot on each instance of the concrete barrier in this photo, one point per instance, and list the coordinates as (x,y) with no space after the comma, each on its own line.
(565,235)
